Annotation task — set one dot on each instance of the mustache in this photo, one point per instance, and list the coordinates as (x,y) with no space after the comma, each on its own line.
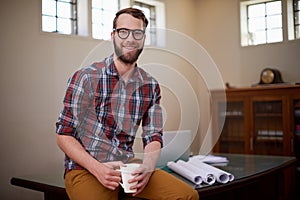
(135,45)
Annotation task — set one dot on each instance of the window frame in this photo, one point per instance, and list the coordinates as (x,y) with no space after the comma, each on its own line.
(151,30)
(73,19)
(297,24)
(293,26)
(246,35)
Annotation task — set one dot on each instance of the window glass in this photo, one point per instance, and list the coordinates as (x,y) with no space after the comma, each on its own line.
(273,8)
(64,10)
(256,11)
(264,22)
(259,37)
(64,26)
(274,21)
(103,13)
(256,24)
(49,7)
(59,16)
(274,35)
(49,24)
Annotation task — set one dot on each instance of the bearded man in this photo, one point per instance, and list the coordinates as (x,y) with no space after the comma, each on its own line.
(104,105)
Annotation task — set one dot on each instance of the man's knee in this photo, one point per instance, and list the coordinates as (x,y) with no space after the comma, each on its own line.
(187,194)
(193,195)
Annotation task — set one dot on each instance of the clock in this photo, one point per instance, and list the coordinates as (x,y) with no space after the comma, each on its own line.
(270,76)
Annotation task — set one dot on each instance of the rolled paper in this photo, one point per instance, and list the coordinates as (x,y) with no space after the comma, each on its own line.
(221,175)
(188,174)
(206,176)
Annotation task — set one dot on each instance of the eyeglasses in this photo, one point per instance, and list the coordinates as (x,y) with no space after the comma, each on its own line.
(123,33)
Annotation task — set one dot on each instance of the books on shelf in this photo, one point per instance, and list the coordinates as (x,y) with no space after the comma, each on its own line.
(270,134)
(199,169)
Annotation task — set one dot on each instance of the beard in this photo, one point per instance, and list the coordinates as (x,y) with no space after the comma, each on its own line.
(127,58)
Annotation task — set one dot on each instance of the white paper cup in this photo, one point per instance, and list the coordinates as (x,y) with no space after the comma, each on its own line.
(126,172)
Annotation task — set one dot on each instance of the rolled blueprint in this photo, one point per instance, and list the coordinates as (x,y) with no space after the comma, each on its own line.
(206,176)
(221,176)
(188,174)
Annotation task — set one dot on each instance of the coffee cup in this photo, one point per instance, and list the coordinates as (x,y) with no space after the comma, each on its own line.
(126,173)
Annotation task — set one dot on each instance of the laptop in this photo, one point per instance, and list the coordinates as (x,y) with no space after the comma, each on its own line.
(176,146)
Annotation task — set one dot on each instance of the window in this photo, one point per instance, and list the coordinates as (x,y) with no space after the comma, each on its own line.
(296,9)
(149,12)
(59,16)
(261,23)
(94,18)
(155,13)
(293,15)
(103,13)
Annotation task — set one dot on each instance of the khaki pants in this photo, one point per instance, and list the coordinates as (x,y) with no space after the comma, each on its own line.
(82,185)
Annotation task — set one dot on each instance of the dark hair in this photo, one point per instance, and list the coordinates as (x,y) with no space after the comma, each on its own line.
(134,12)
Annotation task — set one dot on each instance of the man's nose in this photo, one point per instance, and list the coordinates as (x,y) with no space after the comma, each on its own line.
(130,36)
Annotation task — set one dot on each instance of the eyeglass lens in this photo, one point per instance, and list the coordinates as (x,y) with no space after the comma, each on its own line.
(124,33)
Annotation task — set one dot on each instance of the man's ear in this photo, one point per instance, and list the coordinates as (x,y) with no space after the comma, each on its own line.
(111,35)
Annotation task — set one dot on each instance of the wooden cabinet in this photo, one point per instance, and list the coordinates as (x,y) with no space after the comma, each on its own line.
(258,120)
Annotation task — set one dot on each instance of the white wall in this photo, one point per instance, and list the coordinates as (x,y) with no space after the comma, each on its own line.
(218,31)
(34,72)
(35,67)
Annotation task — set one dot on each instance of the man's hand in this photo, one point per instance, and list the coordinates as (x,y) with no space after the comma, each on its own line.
(104,172)
(144,172)
(107,174)
(142,176)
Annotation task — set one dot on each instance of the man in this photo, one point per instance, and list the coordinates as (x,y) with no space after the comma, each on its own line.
(103,107)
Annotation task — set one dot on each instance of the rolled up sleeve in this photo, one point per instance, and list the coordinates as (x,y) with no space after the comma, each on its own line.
(153,121)
(75,103)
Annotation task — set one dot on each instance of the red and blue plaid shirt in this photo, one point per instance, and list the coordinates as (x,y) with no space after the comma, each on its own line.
(103,112)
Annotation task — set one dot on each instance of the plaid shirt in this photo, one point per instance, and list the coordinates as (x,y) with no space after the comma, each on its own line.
(103,113)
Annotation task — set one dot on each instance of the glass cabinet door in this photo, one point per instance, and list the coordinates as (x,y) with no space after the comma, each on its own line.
(232,138)
(297,116)
(296,128)
(268,128)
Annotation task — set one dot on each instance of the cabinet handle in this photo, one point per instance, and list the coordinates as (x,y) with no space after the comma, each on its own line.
(251,143)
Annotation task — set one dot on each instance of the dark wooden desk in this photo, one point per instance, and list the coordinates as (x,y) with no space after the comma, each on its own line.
(266,177)
(256,177)
(51,185)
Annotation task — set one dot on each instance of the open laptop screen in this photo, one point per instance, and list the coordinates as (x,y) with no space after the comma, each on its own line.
(176,146)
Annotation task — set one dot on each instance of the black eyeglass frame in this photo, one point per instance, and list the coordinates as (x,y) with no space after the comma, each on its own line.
(133,31)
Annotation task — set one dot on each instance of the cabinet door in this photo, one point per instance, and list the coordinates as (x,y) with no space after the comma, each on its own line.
(296,125)
(269,126)
(233,134)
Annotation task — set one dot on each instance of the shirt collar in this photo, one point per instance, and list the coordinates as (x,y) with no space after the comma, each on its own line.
(112,70)
(110,66)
